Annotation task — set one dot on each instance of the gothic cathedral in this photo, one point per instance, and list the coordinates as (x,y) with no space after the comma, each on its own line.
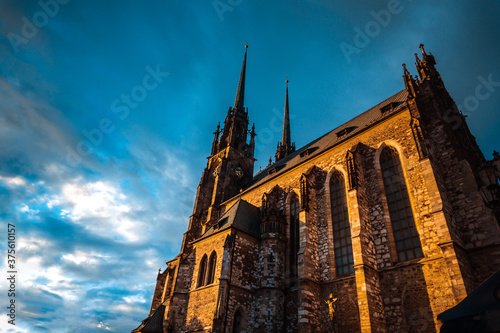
(377,226)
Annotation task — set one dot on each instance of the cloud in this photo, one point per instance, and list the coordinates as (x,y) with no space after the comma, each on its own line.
(84,231)
(13,181)
(92,236)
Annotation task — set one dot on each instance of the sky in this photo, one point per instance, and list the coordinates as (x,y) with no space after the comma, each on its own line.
(108,108)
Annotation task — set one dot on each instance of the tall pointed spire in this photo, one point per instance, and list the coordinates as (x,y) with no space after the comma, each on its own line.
(235,129)
(240,93)
(285,147)
(285,139)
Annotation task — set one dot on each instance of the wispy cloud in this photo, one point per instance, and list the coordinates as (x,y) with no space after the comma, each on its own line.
(84,231)
(92,236)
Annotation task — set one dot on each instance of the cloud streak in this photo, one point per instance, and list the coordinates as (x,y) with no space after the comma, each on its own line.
(92,235)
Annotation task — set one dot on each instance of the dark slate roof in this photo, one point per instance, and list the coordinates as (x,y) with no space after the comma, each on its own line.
(484,298)
(242,216)
(351,128)
(153,323)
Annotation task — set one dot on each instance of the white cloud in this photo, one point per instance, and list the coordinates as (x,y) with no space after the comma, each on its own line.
(134,299)
(14,181)
(126,308)
(103,325)
(81,257)
(32,244)
(97,199)
(55,279)
(101,208)
(32,213)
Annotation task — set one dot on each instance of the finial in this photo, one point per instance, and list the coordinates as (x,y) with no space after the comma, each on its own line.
(406,70)
(252,133)
(421,46)
(159,271)
(217,131)
(246,44)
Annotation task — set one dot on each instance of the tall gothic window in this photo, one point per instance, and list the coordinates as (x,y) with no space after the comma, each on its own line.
(294,238)
(403,225)
(202,271)
(341,228)
(211,268)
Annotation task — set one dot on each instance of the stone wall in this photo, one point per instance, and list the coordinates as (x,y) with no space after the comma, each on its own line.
(346,318)
(458,236)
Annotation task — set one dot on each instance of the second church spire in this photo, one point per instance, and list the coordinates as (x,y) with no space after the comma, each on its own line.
(285,147)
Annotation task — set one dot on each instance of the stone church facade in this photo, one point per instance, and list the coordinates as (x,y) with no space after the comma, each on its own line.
(378,226)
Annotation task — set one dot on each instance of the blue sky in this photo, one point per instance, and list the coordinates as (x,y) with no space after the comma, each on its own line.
(107,110)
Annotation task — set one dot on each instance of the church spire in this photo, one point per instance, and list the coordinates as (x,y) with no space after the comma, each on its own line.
(235,129)
(240,93)
(286,140)
(285,147)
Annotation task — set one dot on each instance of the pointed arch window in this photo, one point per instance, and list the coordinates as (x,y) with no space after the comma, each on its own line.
(237,322)
(211,268)
(294,238)
(202,271)
(344,260)
(406,236)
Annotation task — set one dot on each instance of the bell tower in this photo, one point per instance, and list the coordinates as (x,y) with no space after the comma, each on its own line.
(229,167)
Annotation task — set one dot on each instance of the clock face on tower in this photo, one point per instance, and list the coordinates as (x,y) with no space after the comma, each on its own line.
(217,170)
(238,172)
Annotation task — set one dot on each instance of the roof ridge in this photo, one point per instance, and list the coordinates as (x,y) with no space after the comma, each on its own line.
(298,151)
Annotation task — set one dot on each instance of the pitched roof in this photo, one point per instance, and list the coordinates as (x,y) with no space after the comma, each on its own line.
(153,323)
(484,298)
(242,216)
(349,129)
